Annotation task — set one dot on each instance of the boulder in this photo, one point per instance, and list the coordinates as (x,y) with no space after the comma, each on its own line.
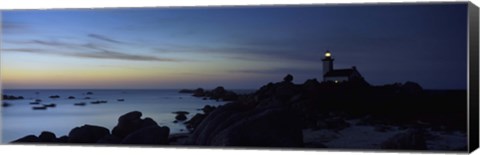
(27,139)
(127,123)
(195,121)
(130,122)
(148,122)
(207,109)
(236,125)
(288,78)
(229,96)
(199,92)
(181,117)
(412,139)
(411,88)
(87,134)
(153,135)
(47,137)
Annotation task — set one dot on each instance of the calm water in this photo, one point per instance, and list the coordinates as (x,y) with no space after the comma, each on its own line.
(20,120)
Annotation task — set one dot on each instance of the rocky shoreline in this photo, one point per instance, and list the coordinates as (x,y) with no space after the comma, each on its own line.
(309,115)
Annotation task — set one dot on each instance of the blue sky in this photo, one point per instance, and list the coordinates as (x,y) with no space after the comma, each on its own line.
(237,47)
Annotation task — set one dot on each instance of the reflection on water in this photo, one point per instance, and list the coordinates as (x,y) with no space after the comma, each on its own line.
(20,120)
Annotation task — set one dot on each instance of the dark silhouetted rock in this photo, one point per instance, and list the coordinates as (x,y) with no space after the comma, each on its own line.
(48,137)
(6,104)
(236,125)
(27,139)
(199,92)
(63,139)
(207,109)
(109,139)
(413,139)
(87,134)
(288,78)
(181,117)
(195,121)
(148,122)
(153,135)
(71,97)
(131,122)
(127,123)
(181,112)
(11,97)
(54,96)
(411,88)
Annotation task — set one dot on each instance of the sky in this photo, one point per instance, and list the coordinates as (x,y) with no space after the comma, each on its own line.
(235,47)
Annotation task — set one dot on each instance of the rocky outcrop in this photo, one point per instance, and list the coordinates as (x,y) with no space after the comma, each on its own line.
(27,139)
(152,135)
(11,97)
(87,134)
(131,129)
(198,118)
(44,137)
(48,137)
(181,115)
(218,93)
(237,125)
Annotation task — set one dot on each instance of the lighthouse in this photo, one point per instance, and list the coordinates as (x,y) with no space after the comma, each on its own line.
(327,63)
(338,75)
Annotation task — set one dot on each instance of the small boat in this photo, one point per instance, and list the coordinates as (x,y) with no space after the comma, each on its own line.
(51,105)
(121,100)
(38,100)
(89,93)
(80,104)
(39,108)
(87,98)
(71,97)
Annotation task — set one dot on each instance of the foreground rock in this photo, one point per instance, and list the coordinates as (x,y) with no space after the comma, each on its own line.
(238,125)
(131,122)
(87,134)
(131,129)
(152,135)
(44,137)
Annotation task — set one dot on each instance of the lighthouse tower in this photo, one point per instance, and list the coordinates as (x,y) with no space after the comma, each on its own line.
(327,63)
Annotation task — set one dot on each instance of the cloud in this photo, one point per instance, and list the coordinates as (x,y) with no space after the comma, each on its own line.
(88,50)
(104,38)
(296,71)
(122,56)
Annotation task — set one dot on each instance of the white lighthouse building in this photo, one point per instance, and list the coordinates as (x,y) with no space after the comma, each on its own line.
(338,75)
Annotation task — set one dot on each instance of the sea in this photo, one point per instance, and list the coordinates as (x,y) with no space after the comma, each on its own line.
(20,119)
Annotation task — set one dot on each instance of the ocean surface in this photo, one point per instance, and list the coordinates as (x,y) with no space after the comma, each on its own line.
(19,119)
